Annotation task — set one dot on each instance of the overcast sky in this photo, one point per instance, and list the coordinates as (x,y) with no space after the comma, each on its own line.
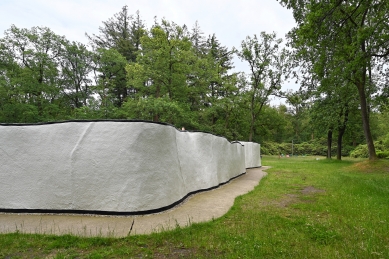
(230,20)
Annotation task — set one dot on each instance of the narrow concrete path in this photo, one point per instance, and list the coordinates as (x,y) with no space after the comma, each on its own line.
(200,207)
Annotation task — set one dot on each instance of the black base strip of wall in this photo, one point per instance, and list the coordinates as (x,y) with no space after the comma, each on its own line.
(113,213)
(254,167)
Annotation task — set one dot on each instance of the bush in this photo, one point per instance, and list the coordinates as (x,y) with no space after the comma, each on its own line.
(346,150)
(383,154)
(385,141)
(317,147)
(361,151)
(305,148)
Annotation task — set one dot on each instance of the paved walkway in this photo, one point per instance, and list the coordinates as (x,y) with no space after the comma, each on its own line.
(200,207)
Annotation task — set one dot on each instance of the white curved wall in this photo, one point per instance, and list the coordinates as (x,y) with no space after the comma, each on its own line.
(111,166)
(252,154)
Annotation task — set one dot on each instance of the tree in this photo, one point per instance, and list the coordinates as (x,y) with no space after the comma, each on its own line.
(163,64)
(121,33)
(76,67)
(333,110)
(109,74)
(30,70)
(356,32)
(220,83)
(298,109)
(268,67)
(198,40)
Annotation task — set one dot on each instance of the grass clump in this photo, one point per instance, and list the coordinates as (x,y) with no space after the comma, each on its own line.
(304,208)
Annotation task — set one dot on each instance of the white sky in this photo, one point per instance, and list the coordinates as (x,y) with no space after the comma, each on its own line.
(230,20)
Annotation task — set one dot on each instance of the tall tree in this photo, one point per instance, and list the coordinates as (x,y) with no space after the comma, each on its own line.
(198,40)
(32,69)
(163,64)
(219,65)
(298,109)
(268,67)
(109,74)
(76,67)
(122,33)
(358,34)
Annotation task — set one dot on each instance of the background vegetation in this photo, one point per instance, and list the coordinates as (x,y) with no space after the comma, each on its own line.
(178,75)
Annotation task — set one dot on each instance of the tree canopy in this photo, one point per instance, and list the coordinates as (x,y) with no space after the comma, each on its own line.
(350,40)
(338,54)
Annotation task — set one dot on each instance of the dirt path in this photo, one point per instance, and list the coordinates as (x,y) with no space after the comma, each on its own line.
(200,207)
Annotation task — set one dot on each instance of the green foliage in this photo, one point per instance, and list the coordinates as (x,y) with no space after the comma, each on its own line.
(269,68)
(340,43)
(385,141)
(168,73)
(317,147)
(361,151)
(163,62)
(383,154)
(75,65)
(121,32)
(145,109)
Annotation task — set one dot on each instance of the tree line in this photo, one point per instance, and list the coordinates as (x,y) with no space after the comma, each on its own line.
(178,75)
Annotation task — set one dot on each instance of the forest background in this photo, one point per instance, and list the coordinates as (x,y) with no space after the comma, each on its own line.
(178,75)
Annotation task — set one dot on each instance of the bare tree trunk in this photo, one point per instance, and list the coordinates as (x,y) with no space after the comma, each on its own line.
(365,120)
(252,107)
(252,128)
(339,148)
(329,142)
(361,85)
(341,131)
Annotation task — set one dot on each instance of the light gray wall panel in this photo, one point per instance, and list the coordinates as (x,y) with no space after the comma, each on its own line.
(112,166)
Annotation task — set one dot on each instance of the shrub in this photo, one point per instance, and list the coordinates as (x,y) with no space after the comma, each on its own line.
(385,141)
(314,147)
(305,148)
(360,151)
(383,154)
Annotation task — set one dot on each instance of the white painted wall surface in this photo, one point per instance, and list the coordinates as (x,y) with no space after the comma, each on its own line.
(112,166)
(252,154)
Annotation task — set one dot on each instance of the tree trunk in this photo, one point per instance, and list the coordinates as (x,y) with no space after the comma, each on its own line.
(341,131)
(365,120)
(78,104)
(339,148)
(251,128)
(361,85)
(329,142)
(252,107)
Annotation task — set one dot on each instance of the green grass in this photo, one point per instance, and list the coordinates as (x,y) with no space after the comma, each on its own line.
(304,208)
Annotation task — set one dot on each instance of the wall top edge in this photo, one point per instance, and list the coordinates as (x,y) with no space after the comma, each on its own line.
(113,120)
(67,121)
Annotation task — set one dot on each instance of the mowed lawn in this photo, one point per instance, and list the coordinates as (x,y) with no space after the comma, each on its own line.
(304,208)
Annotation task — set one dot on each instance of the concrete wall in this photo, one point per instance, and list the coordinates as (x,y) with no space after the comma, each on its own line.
(252,154)
(112,166)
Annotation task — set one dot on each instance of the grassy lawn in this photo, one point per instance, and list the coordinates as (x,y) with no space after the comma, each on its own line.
(304,208)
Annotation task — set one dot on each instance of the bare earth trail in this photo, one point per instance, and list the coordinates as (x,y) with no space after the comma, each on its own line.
(200,207)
